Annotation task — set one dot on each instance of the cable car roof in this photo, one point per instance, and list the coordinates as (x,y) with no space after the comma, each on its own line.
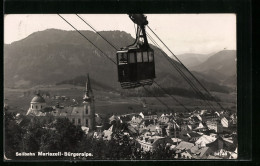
(133,49)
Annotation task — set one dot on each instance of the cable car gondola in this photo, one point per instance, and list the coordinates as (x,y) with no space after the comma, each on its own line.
(135,62)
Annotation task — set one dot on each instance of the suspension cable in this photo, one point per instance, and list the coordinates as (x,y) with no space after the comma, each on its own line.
(196,90)
(171,96)
(109,57)
(187,70)
(157,98)
(97,32)
(116,49)
(88,39)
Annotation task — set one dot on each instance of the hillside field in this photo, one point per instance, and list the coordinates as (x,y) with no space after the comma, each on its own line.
(109,102)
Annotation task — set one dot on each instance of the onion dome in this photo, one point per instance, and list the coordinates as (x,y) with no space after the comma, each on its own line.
(38,99)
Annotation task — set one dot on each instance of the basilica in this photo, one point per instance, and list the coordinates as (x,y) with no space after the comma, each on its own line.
(81,115)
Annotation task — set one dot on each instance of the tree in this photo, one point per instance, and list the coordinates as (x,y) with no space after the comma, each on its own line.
(120,147)
(13,136)
(162,152)
(64,137)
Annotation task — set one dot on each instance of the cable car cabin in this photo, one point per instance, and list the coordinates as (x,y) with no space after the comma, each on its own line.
(135,67)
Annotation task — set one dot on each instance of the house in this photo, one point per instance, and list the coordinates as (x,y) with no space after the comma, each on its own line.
(203,111)
(176,140)
(171,129)
(196,118)
(217,144)
(200,127)
(145,123)
(165,119)
(149,142)
(183,149)
(193,136)
(233,119)
(200,152)
(113,118)
(183,134)
(148,115)
(161,129)
(185,155)
(98,119)
(224,122)
(183,145)
(136,120)
(185,127)
(108,133)
(214,125)
(210,116)
(211,157)
(226,154)
(204,140)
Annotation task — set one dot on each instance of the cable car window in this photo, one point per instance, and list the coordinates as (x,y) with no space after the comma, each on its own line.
(145,57)
(139,57)
(122,58)
(131,57)
(150,56)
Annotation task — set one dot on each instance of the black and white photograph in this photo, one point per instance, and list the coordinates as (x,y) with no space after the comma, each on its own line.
(130,87)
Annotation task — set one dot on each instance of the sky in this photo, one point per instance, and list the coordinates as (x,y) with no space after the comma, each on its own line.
(182,33)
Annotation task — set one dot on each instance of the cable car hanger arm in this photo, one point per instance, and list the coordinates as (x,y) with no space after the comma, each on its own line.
(141,21)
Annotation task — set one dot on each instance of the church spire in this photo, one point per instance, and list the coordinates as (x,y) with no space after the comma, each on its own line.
(88,85)
(88,90)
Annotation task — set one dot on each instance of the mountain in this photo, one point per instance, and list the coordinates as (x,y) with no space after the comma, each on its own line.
(81,81)
(191,59)
(220,67)
(51,56)
(56,56)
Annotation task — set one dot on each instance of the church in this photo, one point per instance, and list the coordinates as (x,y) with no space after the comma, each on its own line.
(82,115)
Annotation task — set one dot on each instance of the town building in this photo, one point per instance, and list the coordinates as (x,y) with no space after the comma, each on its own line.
(215,125)
(37,106)
(83,116)
(148,115)
(149,141)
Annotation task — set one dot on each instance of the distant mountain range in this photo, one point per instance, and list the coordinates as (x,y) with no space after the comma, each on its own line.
(56,56)
(220,67)
(191,59)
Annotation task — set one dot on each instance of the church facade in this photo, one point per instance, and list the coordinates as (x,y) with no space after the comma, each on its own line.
(83,115)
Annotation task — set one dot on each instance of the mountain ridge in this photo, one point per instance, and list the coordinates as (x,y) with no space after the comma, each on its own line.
(53,56)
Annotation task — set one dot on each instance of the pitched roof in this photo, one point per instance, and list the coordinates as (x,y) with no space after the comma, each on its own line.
(199,150)
(77,111)
(205,139)
(113,117)
(194,134)
(213,157)
(184,145)
(149,113)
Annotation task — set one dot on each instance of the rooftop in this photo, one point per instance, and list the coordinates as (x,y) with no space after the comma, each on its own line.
(38,99)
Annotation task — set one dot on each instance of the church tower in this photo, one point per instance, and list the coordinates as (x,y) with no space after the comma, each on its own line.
(89,107)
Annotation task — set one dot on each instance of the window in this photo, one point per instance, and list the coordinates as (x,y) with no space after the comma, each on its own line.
(122,58)
(79,121)
(86,122)
(145,57)
(41,106)
(131,57)
(139,57)
(36,107)
(73,121)
(150,54)
(32,106)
